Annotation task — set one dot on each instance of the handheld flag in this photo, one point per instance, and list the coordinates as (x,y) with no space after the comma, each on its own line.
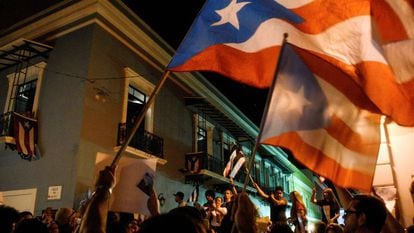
(319,114)
(241,40)
(236,161)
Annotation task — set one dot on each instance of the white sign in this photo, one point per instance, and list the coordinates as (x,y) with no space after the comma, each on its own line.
(54,193)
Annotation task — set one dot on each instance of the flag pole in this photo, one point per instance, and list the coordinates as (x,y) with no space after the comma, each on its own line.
(140,119)
(269,95)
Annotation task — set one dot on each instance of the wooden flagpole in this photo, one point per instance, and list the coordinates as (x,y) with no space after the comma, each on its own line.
(140,119)
(269,96)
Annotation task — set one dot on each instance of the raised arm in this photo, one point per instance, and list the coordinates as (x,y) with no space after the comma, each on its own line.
(260,191)
(281,201)
(96,211)
(313,196)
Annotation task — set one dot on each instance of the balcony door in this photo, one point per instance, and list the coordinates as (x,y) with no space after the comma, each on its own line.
(136,102)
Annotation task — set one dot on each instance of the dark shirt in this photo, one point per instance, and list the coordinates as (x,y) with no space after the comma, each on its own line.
(333,209)
(227,222)
(277,212)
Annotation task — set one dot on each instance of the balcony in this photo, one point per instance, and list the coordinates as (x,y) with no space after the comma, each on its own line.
(202,168)
(143,144)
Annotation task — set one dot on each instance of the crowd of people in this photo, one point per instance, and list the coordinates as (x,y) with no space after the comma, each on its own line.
(234,212)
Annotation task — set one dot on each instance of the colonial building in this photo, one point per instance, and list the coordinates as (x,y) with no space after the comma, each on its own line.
(73,78)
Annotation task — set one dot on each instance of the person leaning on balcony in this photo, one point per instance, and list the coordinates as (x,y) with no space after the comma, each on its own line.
(278,206)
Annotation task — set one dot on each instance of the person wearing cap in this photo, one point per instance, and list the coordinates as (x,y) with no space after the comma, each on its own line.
(179,198)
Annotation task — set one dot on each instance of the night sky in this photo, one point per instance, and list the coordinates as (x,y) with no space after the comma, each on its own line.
(172,22)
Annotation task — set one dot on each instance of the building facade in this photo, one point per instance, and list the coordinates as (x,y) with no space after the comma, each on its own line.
(81,71)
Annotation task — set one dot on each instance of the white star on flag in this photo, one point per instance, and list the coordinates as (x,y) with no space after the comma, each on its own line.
(295,101)
(229,14)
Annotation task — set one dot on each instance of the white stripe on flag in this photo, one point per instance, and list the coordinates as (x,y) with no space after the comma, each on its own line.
(229,165)
(237,166)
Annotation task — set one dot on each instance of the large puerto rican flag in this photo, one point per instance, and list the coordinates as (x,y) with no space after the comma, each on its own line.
(25,134)
(322,118)
(241,39)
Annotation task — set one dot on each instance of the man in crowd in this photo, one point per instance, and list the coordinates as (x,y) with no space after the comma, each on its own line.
(278,205)
(365,214)
(179,198)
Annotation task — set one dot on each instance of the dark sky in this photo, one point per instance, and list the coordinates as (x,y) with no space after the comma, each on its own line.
(172,22)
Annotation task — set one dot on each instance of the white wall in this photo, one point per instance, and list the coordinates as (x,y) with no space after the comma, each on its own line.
(401,151)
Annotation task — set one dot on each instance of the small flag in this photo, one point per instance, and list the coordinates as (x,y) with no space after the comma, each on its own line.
(193,162)
(194,195)
(25,134)
(234,164)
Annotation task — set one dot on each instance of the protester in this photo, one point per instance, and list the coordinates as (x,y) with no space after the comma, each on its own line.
(365,214)
(25,215)
(334,228)
(208,206)
(96,211)
(246,214)
(64,217)
(320,227)
(298,212)
(8,218)
(133,226)
(227,222)
(329,205)
(31,225)
(217,214)
(179,198)
(185,219)
(278,206)
(47,217)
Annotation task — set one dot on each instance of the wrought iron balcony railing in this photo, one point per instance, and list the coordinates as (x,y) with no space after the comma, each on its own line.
(142,140)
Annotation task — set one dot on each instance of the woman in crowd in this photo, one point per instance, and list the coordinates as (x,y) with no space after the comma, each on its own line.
(298,212)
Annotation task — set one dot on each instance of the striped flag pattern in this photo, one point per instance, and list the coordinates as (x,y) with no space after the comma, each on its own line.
(242,40)
(25,134)
(320,115)
(193,197)
(236,161)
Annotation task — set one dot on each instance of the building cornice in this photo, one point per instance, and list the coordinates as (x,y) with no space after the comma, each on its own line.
(124,25)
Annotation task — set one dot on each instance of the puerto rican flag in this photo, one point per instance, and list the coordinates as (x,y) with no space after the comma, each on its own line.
(321,117)
(234,164)
(25,134)
(367,40)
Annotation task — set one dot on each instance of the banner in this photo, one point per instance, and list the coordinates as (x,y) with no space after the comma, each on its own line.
(134,179)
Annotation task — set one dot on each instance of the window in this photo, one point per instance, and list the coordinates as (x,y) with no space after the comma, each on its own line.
(136,103)
(267,175)
(203,134)
(227,144)
(25,97)
(257,165)
(23,90)
(201,139)
(138,88)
